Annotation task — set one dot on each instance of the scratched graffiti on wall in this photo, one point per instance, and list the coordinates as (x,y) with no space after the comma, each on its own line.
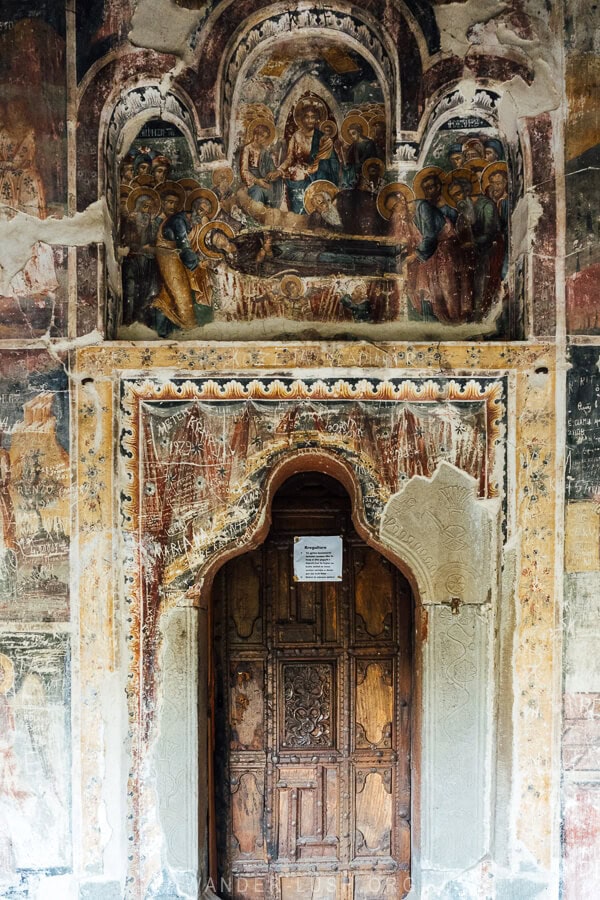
(34,496)
(207,449)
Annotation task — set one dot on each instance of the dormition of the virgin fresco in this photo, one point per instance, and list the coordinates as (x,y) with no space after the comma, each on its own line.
(311,224)
(32,164)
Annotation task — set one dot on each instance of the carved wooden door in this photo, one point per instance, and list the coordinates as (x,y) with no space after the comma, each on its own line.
(312,715)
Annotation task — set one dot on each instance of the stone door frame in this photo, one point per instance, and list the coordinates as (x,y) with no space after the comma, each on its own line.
(108,527)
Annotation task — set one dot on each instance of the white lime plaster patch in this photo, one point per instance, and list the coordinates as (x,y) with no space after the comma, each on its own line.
(535,98)
(474,24)
(164,26)
(526,217)
(19,235)
(455,20)
(282,329)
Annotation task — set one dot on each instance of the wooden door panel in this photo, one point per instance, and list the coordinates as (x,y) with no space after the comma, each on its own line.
(374,703)
(312,720)
(373,812)
(244,596)
(373,608)
(296,606)
(380,886)
(247,701)
(247,814)
(308,813)
(307,702)
(310,887)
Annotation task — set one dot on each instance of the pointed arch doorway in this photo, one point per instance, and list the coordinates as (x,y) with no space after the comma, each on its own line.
(312,714)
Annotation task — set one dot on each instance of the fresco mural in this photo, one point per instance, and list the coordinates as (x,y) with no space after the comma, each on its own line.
(34,757)
(207,448)
(32,162)
(311,221)
(34,491)
(582,166)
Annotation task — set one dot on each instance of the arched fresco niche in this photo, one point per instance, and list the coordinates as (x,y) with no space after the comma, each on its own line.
(152,188)
(464,193)
(314,219)
(151,154)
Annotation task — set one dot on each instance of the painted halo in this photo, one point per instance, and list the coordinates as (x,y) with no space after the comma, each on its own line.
(347,124)
(310,102)
(161,161)
(476,166)
(7,668)
(189,184)
(395,188)
(374,121)
(493,169)
(331,125)
(172,187)
(372,161)
(291,287)
(263,122)
(201,241)
(138,192)
(472,143)
(142,181)
(462,174)
(225,172)
(318,187)
(420,177)
(202,192)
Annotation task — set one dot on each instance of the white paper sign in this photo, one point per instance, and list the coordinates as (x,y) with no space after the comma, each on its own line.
(318,558)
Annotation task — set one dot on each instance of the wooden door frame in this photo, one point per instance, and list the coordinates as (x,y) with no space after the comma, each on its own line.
(326,463)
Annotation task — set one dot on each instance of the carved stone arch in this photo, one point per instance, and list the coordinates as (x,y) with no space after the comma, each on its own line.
(166,594)
(185,639)
(320,459)
(99,92)
(260,32)
(314,460)
(409,23)
(418,16)
(453,100)
(488,101)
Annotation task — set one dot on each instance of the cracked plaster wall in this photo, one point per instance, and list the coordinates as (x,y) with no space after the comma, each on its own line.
(62,597)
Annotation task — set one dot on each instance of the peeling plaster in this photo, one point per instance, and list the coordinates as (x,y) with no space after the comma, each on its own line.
(279,328)
(526,217)
(164,26)
(19,235)
(538,97)
(456,19)
(467,26)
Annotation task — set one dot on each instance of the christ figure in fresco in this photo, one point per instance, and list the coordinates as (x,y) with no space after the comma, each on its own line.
(310,154)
